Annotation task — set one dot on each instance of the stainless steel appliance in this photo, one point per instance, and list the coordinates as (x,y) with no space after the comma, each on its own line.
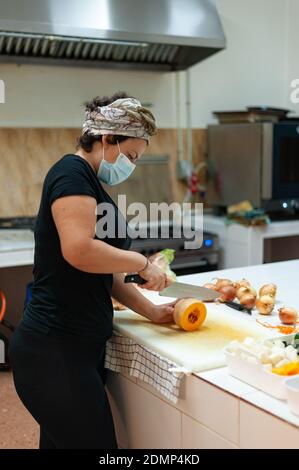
(255,161)
(186,261)
(150,35)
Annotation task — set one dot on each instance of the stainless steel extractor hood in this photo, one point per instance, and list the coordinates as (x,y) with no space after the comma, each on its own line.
(143,34)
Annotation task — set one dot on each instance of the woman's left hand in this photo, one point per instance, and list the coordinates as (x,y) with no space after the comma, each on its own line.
(163,313)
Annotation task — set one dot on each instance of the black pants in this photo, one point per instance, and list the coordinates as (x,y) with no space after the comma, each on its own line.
(61,381)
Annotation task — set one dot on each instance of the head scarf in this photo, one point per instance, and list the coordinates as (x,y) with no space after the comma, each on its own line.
(125,116)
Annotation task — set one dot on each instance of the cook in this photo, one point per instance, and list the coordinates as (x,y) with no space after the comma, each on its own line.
(57,352)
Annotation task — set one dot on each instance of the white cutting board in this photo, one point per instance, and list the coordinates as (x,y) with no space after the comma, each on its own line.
(199,350)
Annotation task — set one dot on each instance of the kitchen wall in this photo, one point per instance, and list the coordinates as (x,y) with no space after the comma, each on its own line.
(43,96)
(27,153)
(292,48)
(252,70)
(256,68)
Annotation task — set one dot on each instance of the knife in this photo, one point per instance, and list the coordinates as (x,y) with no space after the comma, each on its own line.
(181,289)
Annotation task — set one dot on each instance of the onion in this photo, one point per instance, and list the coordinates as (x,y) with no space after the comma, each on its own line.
(223,282)
(268,289)
(210,286)
(228,293)
(288,315)
(248,300)
(265,304)
(245,290)
(242,283)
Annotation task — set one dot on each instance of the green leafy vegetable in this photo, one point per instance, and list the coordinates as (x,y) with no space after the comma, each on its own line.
(169,254)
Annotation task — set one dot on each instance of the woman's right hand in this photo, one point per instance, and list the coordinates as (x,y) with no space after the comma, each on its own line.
(155,277)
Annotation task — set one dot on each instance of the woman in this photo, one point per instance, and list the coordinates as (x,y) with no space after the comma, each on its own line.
(58,349)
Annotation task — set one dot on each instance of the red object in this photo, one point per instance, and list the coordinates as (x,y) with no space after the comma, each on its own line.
(194,181)
(3,305)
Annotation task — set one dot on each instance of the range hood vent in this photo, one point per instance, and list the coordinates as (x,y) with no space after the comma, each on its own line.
(149,35)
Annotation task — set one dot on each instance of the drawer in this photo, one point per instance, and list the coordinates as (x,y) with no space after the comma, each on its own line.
(197,436)
(210,406)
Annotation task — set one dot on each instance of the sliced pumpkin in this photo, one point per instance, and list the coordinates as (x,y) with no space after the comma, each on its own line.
(189,314)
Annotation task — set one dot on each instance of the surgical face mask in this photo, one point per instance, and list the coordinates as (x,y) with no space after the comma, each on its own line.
(114,173)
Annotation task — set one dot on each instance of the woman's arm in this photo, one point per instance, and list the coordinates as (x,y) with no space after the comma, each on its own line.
(75,219)
(129,295)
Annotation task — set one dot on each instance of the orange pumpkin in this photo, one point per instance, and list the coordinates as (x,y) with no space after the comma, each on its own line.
(189,314)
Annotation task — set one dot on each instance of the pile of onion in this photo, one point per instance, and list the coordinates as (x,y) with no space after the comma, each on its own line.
(246,294)
(226,289)
(242,289)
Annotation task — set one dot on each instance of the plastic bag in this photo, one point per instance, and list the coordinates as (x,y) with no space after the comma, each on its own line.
(163,259)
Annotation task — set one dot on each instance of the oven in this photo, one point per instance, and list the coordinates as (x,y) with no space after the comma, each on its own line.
(256,161)
(187,261)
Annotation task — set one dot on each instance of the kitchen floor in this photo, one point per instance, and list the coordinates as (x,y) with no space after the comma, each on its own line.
(18,430)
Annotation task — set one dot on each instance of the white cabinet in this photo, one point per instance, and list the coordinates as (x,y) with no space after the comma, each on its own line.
(142,420)
(206,417)
(247,246)
(260,430)
(212,407)
(197,436)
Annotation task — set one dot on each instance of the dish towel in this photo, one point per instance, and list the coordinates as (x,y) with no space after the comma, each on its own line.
(126,356)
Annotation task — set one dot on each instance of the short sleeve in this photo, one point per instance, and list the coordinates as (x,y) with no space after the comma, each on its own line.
(69,179)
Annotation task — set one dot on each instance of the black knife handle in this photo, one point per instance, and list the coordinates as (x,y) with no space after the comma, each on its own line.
(239,307)
(134,278)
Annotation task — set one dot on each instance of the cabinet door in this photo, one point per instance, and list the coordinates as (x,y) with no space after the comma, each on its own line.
(142,420)
(261,430)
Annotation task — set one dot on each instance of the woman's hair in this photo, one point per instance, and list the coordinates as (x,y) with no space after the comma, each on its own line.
(87,140)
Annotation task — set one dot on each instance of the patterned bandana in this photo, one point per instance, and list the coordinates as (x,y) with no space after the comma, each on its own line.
(125,116)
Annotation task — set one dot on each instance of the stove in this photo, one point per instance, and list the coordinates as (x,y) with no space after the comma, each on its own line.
(187,261)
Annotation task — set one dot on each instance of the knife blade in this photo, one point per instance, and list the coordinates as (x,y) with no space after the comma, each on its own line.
(181,290)
(178,289)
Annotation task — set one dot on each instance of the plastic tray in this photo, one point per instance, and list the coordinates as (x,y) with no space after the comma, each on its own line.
(255,375)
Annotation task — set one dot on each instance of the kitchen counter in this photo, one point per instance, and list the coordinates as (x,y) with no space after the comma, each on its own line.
(16,248)
(245,246)
(215,409)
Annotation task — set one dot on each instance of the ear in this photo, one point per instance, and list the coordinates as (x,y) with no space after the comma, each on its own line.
(105,141)
(110,139)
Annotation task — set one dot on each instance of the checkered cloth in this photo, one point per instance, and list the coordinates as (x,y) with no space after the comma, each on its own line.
(124,355)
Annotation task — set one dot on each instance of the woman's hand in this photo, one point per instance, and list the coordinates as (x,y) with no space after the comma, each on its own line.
(155,277)
(163,313)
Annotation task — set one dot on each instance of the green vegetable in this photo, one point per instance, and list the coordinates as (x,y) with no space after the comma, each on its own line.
(169,254)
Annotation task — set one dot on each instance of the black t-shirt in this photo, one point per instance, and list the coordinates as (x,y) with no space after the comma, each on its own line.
(64,298)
